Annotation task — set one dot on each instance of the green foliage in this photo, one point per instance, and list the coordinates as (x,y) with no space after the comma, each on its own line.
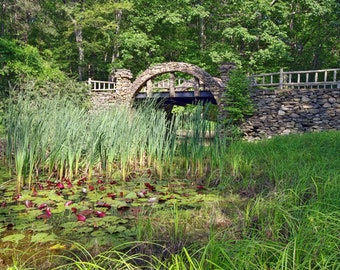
(71,90)
(236,98)
(20,62)
(93,37)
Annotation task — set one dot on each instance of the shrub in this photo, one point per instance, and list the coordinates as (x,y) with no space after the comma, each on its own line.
(237,98)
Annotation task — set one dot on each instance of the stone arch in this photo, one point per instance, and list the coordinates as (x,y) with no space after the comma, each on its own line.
(215,86)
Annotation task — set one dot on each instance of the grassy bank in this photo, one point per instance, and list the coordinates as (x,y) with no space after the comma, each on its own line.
(273,204)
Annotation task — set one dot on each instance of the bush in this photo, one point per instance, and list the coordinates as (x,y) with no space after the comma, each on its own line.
(24,70)
(236,98)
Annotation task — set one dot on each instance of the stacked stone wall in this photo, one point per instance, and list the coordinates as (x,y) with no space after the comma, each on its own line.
(292,111)
(121,96)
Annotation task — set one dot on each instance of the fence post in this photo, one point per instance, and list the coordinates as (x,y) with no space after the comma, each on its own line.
(281,80)
(89,82)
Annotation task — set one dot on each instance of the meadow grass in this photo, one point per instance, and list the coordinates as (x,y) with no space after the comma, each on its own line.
(279,205)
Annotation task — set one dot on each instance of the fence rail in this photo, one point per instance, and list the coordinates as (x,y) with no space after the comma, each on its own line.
(326,78)
(101,85)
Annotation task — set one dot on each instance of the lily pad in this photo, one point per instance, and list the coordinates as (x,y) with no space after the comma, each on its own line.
(84,230)
(43,238)
(41,227)
(131,195)
(13,238)
(99,233)
(116,229)
(111,219)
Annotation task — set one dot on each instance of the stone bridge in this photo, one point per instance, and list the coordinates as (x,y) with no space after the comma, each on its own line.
(200,87)
(294,107)
(202,80)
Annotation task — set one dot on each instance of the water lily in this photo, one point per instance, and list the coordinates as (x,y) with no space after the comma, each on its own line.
(150,187)
(153,200)
(81,217)
(17,197)
(112,195)
(79,183)
(68,203)
(91,187)
(3,204)
(60,185)
(46,215)
(103,204)
(142,193)
(42,206)
(86,212)
(100,214)
(28,203)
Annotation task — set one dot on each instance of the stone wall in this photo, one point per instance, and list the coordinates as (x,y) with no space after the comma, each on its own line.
(292,111)
(121,96)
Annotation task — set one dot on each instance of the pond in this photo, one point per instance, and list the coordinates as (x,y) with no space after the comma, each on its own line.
(97,211)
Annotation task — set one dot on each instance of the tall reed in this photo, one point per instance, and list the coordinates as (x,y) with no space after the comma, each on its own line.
(58,138)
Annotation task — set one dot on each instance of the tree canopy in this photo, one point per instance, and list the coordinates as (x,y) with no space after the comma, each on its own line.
(89,38)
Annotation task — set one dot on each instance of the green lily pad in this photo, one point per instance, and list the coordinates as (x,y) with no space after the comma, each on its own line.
(17,208)
(96,222)
(84,230)
(54,197)
(13,238)
(95,196)
(43,238)
(23,226)
(99,233)
(116,229)
(131,195)
(70,225)
(111,219)
(40,227)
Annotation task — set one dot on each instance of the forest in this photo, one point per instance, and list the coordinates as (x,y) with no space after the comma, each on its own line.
(57,40)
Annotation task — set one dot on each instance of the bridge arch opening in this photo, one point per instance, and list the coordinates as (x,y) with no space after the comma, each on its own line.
(196,82)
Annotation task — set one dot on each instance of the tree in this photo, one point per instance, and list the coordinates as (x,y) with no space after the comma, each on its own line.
(314,32)
(17,16)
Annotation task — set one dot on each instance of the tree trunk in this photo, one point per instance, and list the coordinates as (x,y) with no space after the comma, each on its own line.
(118,18)
(79,41)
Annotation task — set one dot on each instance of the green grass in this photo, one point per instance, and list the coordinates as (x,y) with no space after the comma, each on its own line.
(279,205)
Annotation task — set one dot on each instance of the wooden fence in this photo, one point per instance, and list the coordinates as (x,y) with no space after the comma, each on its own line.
(101,85)
(326,78)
